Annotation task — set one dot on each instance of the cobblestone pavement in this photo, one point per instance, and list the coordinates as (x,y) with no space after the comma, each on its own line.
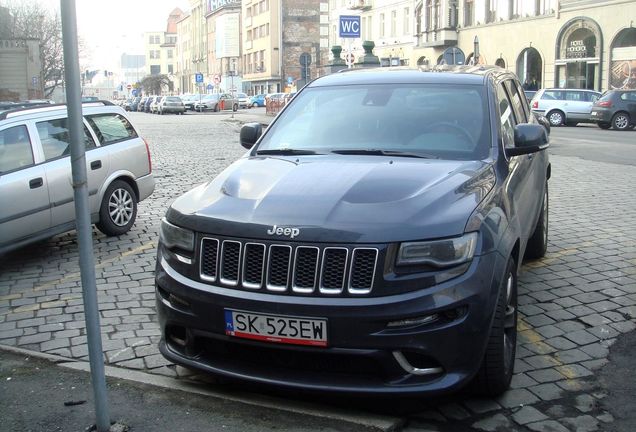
(573,304)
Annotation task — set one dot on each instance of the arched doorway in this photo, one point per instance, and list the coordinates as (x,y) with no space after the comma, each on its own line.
(500,62)
(422,61)
(579,45)
(530,68)
(623,60)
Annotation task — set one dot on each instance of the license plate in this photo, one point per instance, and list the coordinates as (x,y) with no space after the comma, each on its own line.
(593,113)
(276,328)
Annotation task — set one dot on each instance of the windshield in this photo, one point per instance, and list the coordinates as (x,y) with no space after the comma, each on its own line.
(446,122)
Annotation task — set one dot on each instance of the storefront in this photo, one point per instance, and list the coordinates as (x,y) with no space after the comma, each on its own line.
(578,55)
(623,60)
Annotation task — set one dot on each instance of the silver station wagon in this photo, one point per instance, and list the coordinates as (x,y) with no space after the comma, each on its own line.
(36,189)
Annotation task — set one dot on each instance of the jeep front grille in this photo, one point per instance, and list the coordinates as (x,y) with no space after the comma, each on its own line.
(302,269)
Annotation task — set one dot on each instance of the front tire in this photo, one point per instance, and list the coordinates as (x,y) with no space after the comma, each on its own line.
(556,118)
(498,363)
(118,210)
(538,242)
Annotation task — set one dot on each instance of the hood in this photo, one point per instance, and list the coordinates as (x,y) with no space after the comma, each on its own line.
(369,199)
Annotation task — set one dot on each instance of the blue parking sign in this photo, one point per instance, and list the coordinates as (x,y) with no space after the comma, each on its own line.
(349,26)
(198,77)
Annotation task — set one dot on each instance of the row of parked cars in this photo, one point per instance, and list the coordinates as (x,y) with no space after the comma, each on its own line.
(613,109)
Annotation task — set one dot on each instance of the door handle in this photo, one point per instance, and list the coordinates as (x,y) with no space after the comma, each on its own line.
(36,183)
(96,164)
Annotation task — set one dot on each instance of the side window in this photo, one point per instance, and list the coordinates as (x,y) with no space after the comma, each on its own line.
(576,96)
(518,101)
(506,116)
(56,138)
(15,149)
(111,128)
(553,95)
(593,97)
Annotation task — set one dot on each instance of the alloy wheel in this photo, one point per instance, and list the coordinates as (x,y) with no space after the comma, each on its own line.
(120,207)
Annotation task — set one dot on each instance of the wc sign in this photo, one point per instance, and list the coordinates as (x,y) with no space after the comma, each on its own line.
(349,26)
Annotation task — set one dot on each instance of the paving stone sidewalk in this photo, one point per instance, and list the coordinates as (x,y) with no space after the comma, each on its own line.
(573,304)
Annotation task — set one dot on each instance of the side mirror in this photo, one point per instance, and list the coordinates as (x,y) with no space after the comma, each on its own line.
(250,133)
(529,138)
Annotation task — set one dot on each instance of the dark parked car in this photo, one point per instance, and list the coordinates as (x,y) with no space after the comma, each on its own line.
(368,242)
(135,103)
(142,104)
(617,109)
(148,103)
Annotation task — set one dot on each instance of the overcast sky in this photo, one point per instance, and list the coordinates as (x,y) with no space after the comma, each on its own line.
(110,28)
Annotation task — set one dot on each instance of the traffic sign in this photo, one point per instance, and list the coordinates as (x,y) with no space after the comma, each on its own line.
(198,78)
(129,86)
(349,26)
(134,92)
(209,87)
(217,79)
(350,59)
(290,80)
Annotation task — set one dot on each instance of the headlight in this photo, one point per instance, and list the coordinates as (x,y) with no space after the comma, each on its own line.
(438,253)
(173,236)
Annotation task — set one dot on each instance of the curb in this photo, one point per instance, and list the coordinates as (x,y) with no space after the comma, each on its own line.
(367,420)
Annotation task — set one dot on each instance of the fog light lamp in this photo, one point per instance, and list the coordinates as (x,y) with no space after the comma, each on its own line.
(410,322)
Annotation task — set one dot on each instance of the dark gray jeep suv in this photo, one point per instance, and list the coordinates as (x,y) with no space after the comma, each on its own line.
(368,242)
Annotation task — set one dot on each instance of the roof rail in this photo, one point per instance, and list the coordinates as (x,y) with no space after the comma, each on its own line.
(44,107)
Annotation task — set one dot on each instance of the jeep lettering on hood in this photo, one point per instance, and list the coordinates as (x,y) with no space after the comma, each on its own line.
(290,232)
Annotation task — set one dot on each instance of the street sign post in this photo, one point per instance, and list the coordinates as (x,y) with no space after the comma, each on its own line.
(198,78)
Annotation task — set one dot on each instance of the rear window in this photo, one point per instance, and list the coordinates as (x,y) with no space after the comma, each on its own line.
(111,128)
(629,96)
(173,99)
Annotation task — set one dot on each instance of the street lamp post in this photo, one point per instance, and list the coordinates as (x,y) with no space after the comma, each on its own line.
(476,50)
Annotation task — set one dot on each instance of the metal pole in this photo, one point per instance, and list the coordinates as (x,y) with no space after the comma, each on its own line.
(476,52)
(82,214)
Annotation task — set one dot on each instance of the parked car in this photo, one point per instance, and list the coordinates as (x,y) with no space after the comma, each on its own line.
(148,103)
(565,106)
(617,109)
(257,101)
(127,104)
(35,172)
(369,241)
(141,107)
(154,105)
(135,103)
(243,100)
(89,99)
(189,100)
(217,102)
(171,104)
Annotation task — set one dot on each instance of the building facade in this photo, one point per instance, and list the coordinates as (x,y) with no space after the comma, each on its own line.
(20,69)
(161,50)
(559,43)
(223,20)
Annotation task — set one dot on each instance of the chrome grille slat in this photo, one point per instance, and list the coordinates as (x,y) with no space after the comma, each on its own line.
(253,265)
(333,271)
(230,262)
(305,269)
(301,269)
(362,272)
(278,264)
(209,255)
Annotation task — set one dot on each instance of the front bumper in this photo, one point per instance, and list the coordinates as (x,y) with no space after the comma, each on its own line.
(363,353)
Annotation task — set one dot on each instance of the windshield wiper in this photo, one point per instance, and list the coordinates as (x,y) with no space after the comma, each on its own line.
(287,152)
(378,152)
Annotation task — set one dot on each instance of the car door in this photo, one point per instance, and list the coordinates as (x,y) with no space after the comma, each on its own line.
(629,99)
(25,208)
(54,137)
(578,105)
(521,181)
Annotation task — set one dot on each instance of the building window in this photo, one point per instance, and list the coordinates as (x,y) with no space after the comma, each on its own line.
(169,54)
(155,69)
(407,22)
(491,11)
(170,69)
(393,23)
(469,13)
(381,25)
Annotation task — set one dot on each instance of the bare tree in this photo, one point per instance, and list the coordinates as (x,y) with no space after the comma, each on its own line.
(30,20)
(154,84)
